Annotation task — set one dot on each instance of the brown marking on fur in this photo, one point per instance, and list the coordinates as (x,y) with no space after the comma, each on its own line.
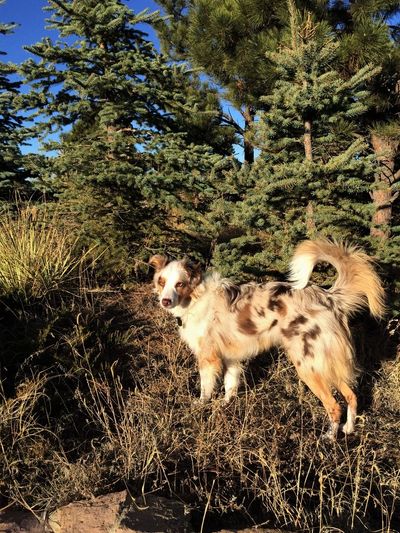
(312,334)
(313,312)
(232,293)
(226,343)
(193,270)
(279,289)
(349,396)
(322,390)
(277,305)
(184,291)
(211,359)
(294,326)
(273,324)
(247,290)
(245,322)
(298,362)
(328,302)
(158,262)
(260,312)
(275,302)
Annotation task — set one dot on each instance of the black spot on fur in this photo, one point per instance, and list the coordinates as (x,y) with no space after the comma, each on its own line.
(326,301)
(275,302)
(273,324)
(279,289)
(277,305)
(232,293)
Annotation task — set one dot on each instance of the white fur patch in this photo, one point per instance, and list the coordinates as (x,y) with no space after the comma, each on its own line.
(300,271)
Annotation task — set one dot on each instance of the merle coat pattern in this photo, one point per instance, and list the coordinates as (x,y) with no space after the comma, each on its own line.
(225,324)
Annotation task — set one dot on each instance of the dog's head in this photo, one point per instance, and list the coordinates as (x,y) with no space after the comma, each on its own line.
(175,281)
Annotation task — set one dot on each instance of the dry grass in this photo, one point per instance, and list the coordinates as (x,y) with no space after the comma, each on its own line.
(36,254)
(124,411)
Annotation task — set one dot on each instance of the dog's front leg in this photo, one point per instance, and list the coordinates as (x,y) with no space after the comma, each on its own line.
(233,371)
(210,367)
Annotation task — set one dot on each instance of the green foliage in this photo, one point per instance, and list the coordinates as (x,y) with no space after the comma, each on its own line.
(227,40)
(313,175)
(12,132)
(128,172)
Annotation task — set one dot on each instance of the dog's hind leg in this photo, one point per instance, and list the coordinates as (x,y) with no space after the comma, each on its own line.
(210,367)
(351,400)
(322,390)
(233,371)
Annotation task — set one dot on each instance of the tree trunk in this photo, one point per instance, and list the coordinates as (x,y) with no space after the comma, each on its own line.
(382,195)
(308,140)
(248,115)
(310,221)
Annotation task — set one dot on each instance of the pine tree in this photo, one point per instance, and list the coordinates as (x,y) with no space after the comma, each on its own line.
(12,171)
(125,170)
(313,176)
(369,33)
(228,41)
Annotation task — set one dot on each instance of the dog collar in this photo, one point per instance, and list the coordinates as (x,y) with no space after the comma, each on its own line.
(179,321)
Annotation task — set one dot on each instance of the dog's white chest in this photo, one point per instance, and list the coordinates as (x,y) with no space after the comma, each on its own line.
(195,327)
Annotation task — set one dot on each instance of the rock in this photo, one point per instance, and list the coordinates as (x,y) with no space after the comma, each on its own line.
(120,513)
(113,513)
(19,521)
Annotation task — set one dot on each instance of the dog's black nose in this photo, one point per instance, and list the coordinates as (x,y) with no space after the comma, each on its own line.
(166,302)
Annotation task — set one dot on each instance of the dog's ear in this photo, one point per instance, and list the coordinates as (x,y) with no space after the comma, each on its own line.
(194,271)
(158,262)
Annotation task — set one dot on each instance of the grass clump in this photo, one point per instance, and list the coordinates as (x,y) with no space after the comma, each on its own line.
(37,255)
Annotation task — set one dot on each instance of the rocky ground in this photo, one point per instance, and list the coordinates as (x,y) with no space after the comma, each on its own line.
(113,513)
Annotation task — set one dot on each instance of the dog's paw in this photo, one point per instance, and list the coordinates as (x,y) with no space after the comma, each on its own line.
(347,428)
(331,434)
(201,401)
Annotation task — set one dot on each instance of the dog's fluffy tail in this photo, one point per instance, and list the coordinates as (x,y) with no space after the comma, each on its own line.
(357,285)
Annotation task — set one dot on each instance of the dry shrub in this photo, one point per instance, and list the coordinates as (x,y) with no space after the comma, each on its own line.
(387,386)
(263,455)
(37,256)
(134,420)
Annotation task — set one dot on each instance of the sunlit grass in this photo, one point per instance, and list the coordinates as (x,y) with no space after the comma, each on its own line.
(37,255)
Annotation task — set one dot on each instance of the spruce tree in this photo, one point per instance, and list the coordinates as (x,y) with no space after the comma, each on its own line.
(124,169)
(12,171)
(369,32)
(312,176)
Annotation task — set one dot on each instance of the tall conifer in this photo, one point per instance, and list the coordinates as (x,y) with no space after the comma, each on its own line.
(369,32)
(12,171)
(312,176)
(123,169)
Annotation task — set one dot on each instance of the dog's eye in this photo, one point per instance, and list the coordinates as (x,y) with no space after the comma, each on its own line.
(179,285)
(161,282)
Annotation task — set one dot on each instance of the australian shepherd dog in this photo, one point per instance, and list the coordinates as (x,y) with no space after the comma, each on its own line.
(225,324)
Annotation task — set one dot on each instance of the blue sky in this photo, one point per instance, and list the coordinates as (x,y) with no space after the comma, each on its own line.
(30,17)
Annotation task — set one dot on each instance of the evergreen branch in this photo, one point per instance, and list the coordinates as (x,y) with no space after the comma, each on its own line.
(229,120)
(61,5)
